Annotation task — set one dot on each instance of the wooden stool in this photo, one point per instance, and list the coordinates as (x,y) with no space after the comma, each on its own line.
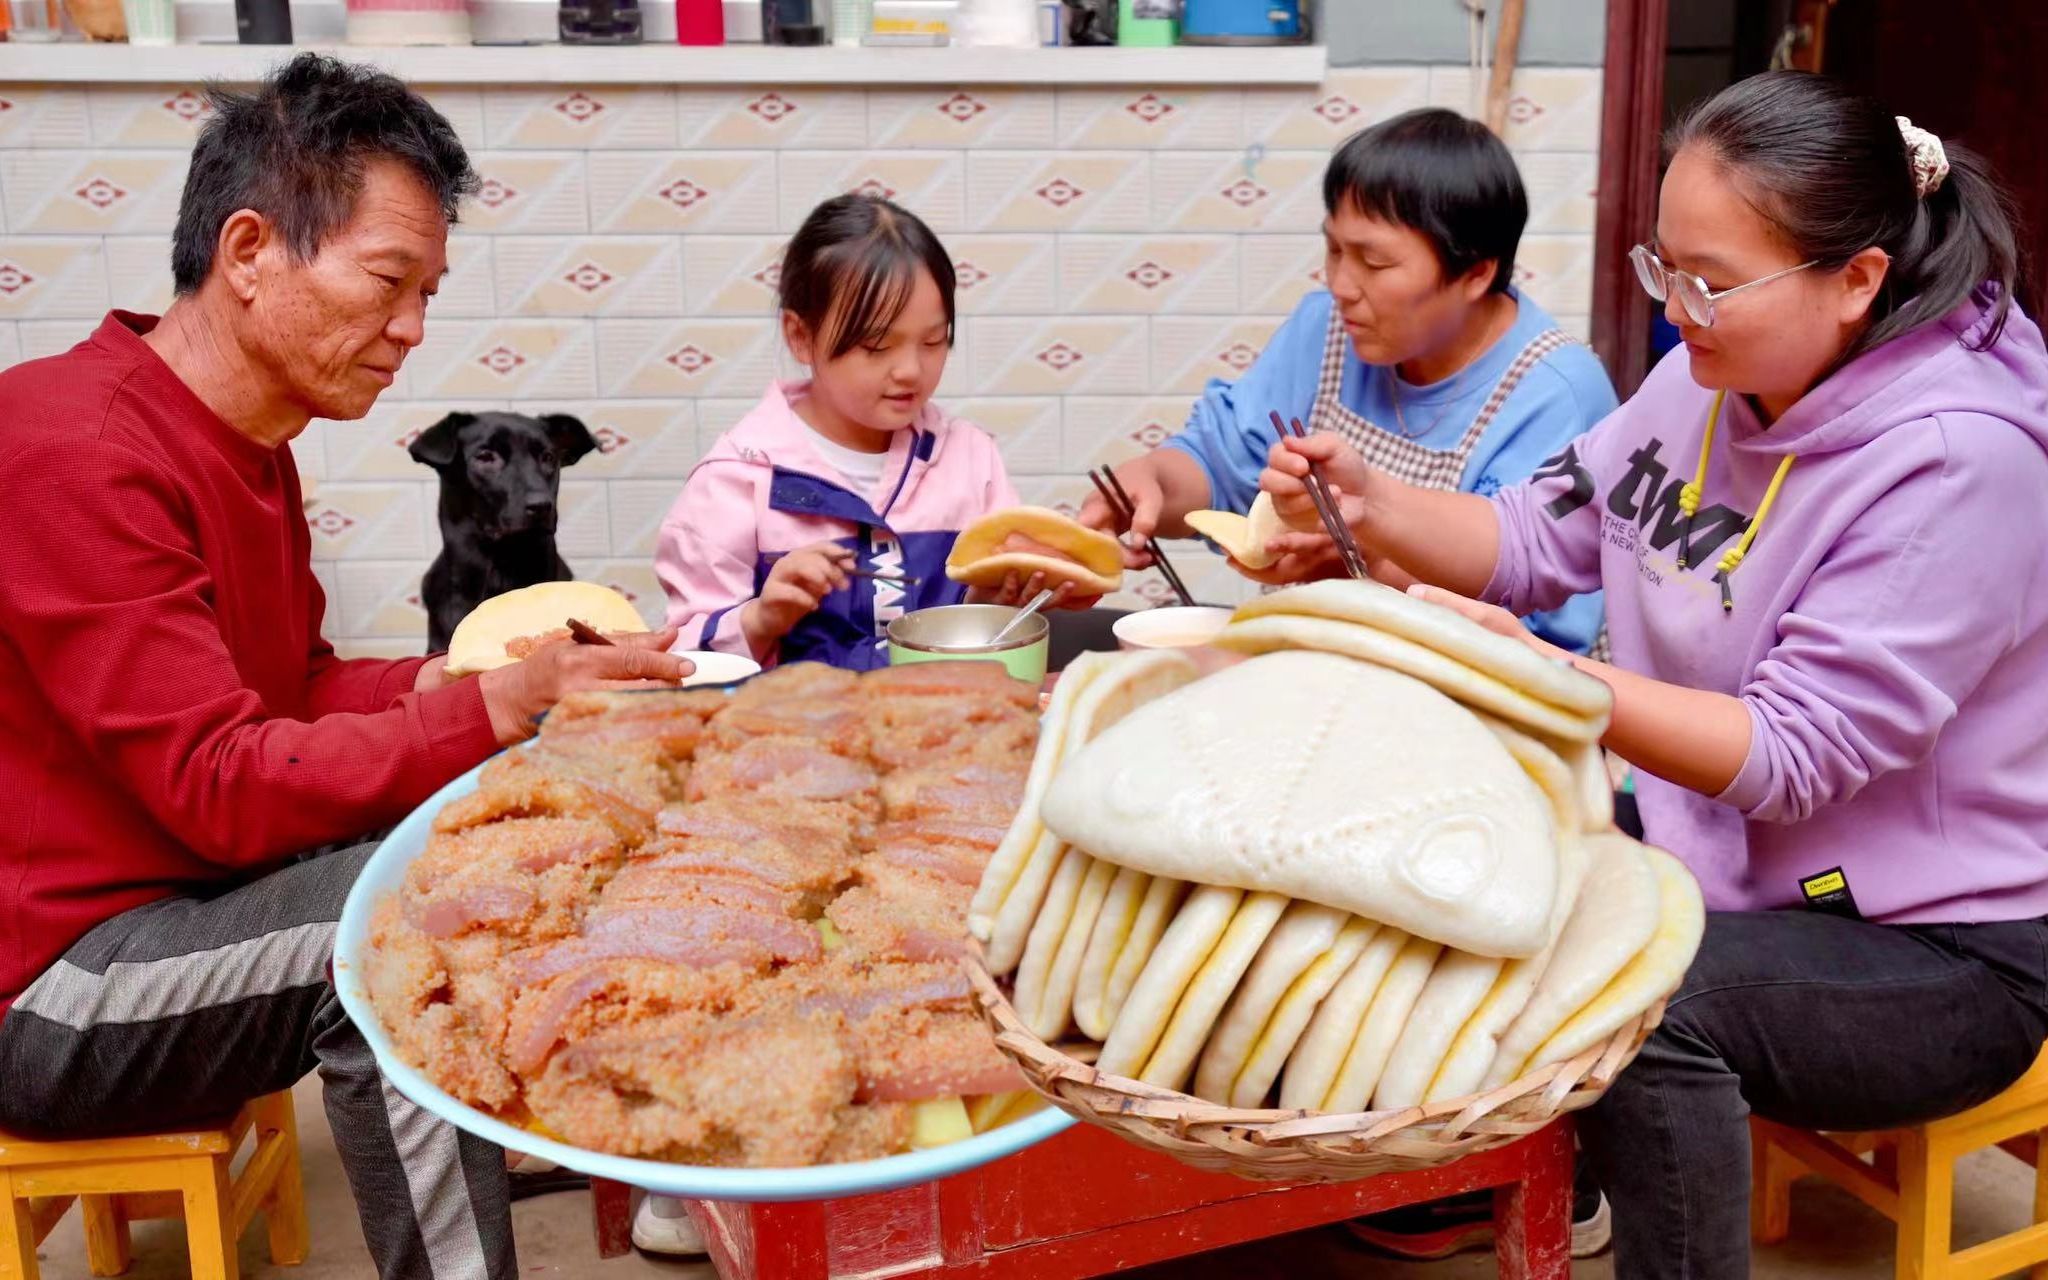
(1910,1178)
(184,1174)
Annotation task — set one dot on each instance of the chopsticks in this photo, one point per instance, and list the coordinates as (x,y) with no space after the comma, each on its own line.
(584,633)
(1112,491)
(1326,504)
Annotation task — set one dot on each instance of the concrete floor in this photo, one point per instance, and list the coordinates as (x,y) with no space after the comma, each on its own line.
(1833,1236)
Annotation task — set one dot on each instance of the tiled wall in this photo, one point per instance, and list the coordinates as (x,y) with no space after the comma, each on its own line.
(1116,248)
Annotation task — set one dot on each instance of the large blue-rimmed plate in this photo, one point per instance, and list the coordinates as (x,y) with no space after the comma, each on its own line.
(386,871)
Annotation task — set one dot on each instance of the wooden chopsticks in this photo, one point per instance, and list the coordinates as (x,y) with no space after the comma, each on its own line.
(1112,491)
(583,633)
(1326,504)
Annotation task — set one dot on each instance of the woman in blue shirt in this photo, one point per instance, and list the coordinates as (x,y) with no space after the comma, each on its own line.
(1420,352)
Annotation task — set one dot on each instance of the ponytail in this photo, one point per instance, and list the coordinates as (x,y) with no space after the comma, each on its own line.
(1832,172)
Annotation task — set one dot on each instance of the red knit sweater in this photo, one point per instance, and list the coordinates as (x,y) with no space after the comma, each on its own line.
(170,719)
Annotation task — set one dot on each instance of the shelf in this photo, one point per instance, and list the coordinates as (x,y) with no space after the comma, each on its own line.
(674,64)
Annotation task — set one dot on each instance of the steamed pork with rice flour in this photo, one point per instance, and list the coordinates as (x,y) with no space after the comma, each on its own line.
(720,929)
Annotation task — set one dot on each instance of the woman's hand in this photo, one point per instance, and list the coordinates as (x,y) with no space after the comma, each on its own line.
(516,696)
(1286,478)
(1017,590)
(1492,617)
(796,586)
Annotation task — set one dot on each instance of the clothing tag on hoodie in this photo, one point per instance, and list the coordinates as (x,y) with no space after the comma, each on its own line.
(1829,893)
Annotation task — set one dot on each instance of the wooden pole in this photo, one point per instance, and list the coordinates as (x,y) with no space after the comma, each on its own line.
(1507,45)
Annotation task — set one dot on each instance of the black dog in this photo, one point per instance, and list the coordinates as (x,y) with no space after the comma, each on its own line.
(500,475)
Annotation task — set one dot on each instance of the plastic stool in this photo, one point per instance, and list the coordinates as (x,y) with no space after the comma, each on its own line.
(1910,1178)
(181,1174)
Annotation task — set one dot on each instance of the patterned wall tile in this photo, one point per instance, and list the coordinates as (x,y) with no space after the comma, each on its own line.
(722,191)
(502,359)
(1004,274)
(1058,355)
(583,524)
(41,338)
(637,510)
(1065,191)
(1562,191)
(716,416)
(628,117)
(91,192)
(744,119)
(645,439)
(1063,493)
(690,357)
(52,277)
(44,116)
(1122,275)
(1228,191)
(463,107)
(928,183)
(613,275)
(309,456)
(534,192)
(352,521)
(1140,117)
(1549,108)
(973,116)
(732,275)
(144,115)
(1557,271)
(139,273)
(1279,270)
(375,447)
(467,291)
(1317,119)
(1103,431)
(1188,351)
(1027,428)
(379,599)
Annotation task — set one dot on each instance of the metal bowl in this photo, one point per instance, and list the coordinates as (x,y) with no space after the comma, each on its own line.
(965,629)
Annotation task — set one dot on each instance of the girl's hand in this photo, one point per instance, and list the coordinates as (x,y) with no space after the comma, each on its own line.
(1491,616)
(1302,557)
(796,586)
(1286,478)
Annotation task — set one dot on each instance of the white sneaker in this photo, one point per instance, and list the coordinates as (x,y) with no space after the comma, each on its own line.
(662,1225)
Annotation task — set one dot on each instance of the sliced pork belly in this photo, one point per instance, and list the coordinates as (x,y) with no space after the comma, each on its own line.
(915,733)
(815,827)
(790,768)
(833,723)
(528,878)
(608,995)
(532,784)
(795,680)
(971,791)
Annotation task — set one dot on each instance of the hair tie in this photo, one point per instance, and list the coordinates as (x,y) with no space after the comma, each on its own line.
(1927,157)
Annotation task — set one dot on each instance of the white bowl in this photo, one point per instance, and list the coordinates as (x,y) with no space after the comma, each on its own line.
(1174,627)
(716,668)
(383,874)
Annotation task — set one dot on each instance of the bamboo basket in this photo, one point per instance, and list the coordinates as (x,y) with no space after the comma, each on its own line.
(1306,1146)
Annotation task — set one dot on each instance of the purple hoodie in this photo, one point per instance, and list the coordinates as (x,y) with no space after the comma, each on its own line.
(1890,629)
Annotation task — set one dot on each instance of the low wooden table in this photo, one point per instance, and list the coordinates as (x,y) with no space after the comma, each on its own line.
(1086,1203)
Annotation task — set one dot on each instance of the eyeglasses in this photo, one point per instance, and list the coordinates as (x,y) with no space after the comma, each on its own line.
(1662,282)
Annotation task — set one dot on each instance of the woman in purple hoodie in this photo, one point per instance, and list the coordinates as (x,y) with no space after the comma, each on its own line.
(1821,530)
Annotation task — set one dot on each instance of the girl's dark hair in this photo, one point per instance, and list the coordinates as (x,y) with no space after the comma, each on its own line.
(294,148)
(1828,168)
(853,264)
(1442,176)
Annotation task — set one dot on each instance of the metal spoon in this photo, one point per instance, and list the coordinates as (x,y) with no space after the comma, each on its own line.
(1038,602)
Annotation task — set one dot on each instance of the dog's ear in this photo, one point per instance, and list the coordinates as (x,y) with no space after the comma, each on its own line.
(569,436)
(439,444)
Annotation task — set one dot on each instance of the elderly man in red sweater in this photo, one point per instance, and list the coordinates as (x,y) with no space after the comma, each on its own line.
(173,729)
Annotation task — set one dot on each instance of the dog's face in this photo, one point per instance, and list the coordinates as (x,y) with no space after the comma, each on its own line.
(504,469)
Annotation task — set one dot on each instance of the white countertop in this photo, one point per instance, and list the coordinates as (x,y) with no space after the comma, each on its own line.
(675,64)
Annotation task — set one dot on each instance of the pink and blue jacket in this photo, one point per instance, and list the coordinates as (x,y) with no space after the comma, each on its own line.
(764,490)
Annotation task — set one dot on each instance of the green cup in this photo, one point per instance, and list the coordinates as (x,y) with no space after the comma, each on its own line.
(961,632)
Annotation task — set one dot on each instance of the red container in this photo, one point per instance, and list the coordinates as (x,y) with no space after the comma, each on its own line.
(700,22)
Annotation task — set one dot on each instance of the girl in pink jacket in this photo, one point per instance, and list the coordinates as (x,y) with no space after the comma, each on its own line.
(854,469)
